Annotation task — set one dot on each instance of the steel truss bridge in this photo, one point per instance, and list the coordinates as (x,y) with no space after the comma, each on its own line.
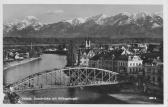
(67,78)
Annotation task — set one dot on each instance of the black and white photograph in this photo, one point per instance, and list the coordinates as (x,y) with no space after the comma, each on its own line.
(83,54)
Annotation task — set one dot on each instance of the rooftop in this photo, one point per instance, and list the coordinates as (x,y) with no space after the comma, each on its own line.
(103,55)
(128,57)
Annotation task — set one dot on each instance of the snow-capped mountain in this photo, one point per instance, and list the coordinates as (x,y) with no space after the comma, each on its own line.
(119,24)
(98,19)
(118,19)
(29,21)
(140,15)
(76,21)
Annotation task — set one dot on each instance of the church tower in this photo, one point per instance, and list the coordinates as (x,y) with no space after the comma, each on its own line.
(87,44)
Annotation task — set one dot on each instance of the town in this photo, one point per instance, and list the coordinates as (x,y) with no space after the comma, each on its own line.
(140,64)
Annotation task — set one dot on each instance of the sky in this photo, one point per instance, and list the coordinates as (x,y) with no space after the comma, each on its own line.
(51,13)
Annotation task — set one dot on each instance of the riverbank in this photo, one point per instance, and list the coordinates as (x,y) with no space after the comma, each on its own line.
(16,63)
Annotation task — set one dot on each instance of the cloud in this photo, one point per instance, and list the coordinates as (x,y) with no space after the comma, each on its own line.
(31,18)
(159,13)
(54,11)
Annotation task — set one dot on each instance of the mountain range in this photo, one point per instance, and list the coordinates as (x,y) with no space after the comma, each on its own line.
(122,25)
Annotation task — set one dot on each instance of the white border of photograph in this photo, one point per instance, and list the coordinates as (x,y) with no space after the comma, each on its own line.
(150,2)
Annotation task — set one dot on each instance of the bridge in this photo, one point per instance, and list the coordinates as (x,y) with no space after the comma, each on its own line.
(67,78)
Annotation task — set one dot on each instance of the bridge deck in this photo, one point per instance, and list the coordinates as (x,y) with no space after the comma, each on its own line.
(62,86)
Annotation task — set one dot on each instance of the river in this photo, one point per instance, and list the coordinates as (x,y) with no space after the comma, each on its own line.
(47,62)
(72,95)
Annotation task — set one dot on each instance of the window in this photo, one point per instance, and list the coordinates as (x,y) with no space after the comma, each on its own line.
(130,70)
(148,70)
(139,69)
(153,71)
(148,78)
(159,79)
(136,70)
(156,79)
(153,79)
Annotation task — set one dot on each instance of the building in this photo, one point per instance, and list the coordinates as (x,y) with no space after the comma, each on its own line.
(130,65)
(84,56)
(154,74)
(85,52)
(87,44)
(154,77)
(102,60)
(125,51)
(155,47)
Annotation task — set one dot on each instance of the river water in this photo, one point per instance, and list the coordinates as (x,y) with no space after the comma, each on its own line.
(47,62)
(72,95)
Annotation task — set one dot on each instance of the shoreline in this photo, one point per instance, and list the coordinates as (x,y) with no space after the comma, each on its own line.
(20,63)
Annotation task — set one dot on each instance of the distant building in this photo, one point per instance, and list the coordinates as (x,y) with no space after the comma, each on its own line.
(154,47)
(151,58)
(84,56)
(126,51)
(143,46)
(18,56)
(138,48)
(87,44)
